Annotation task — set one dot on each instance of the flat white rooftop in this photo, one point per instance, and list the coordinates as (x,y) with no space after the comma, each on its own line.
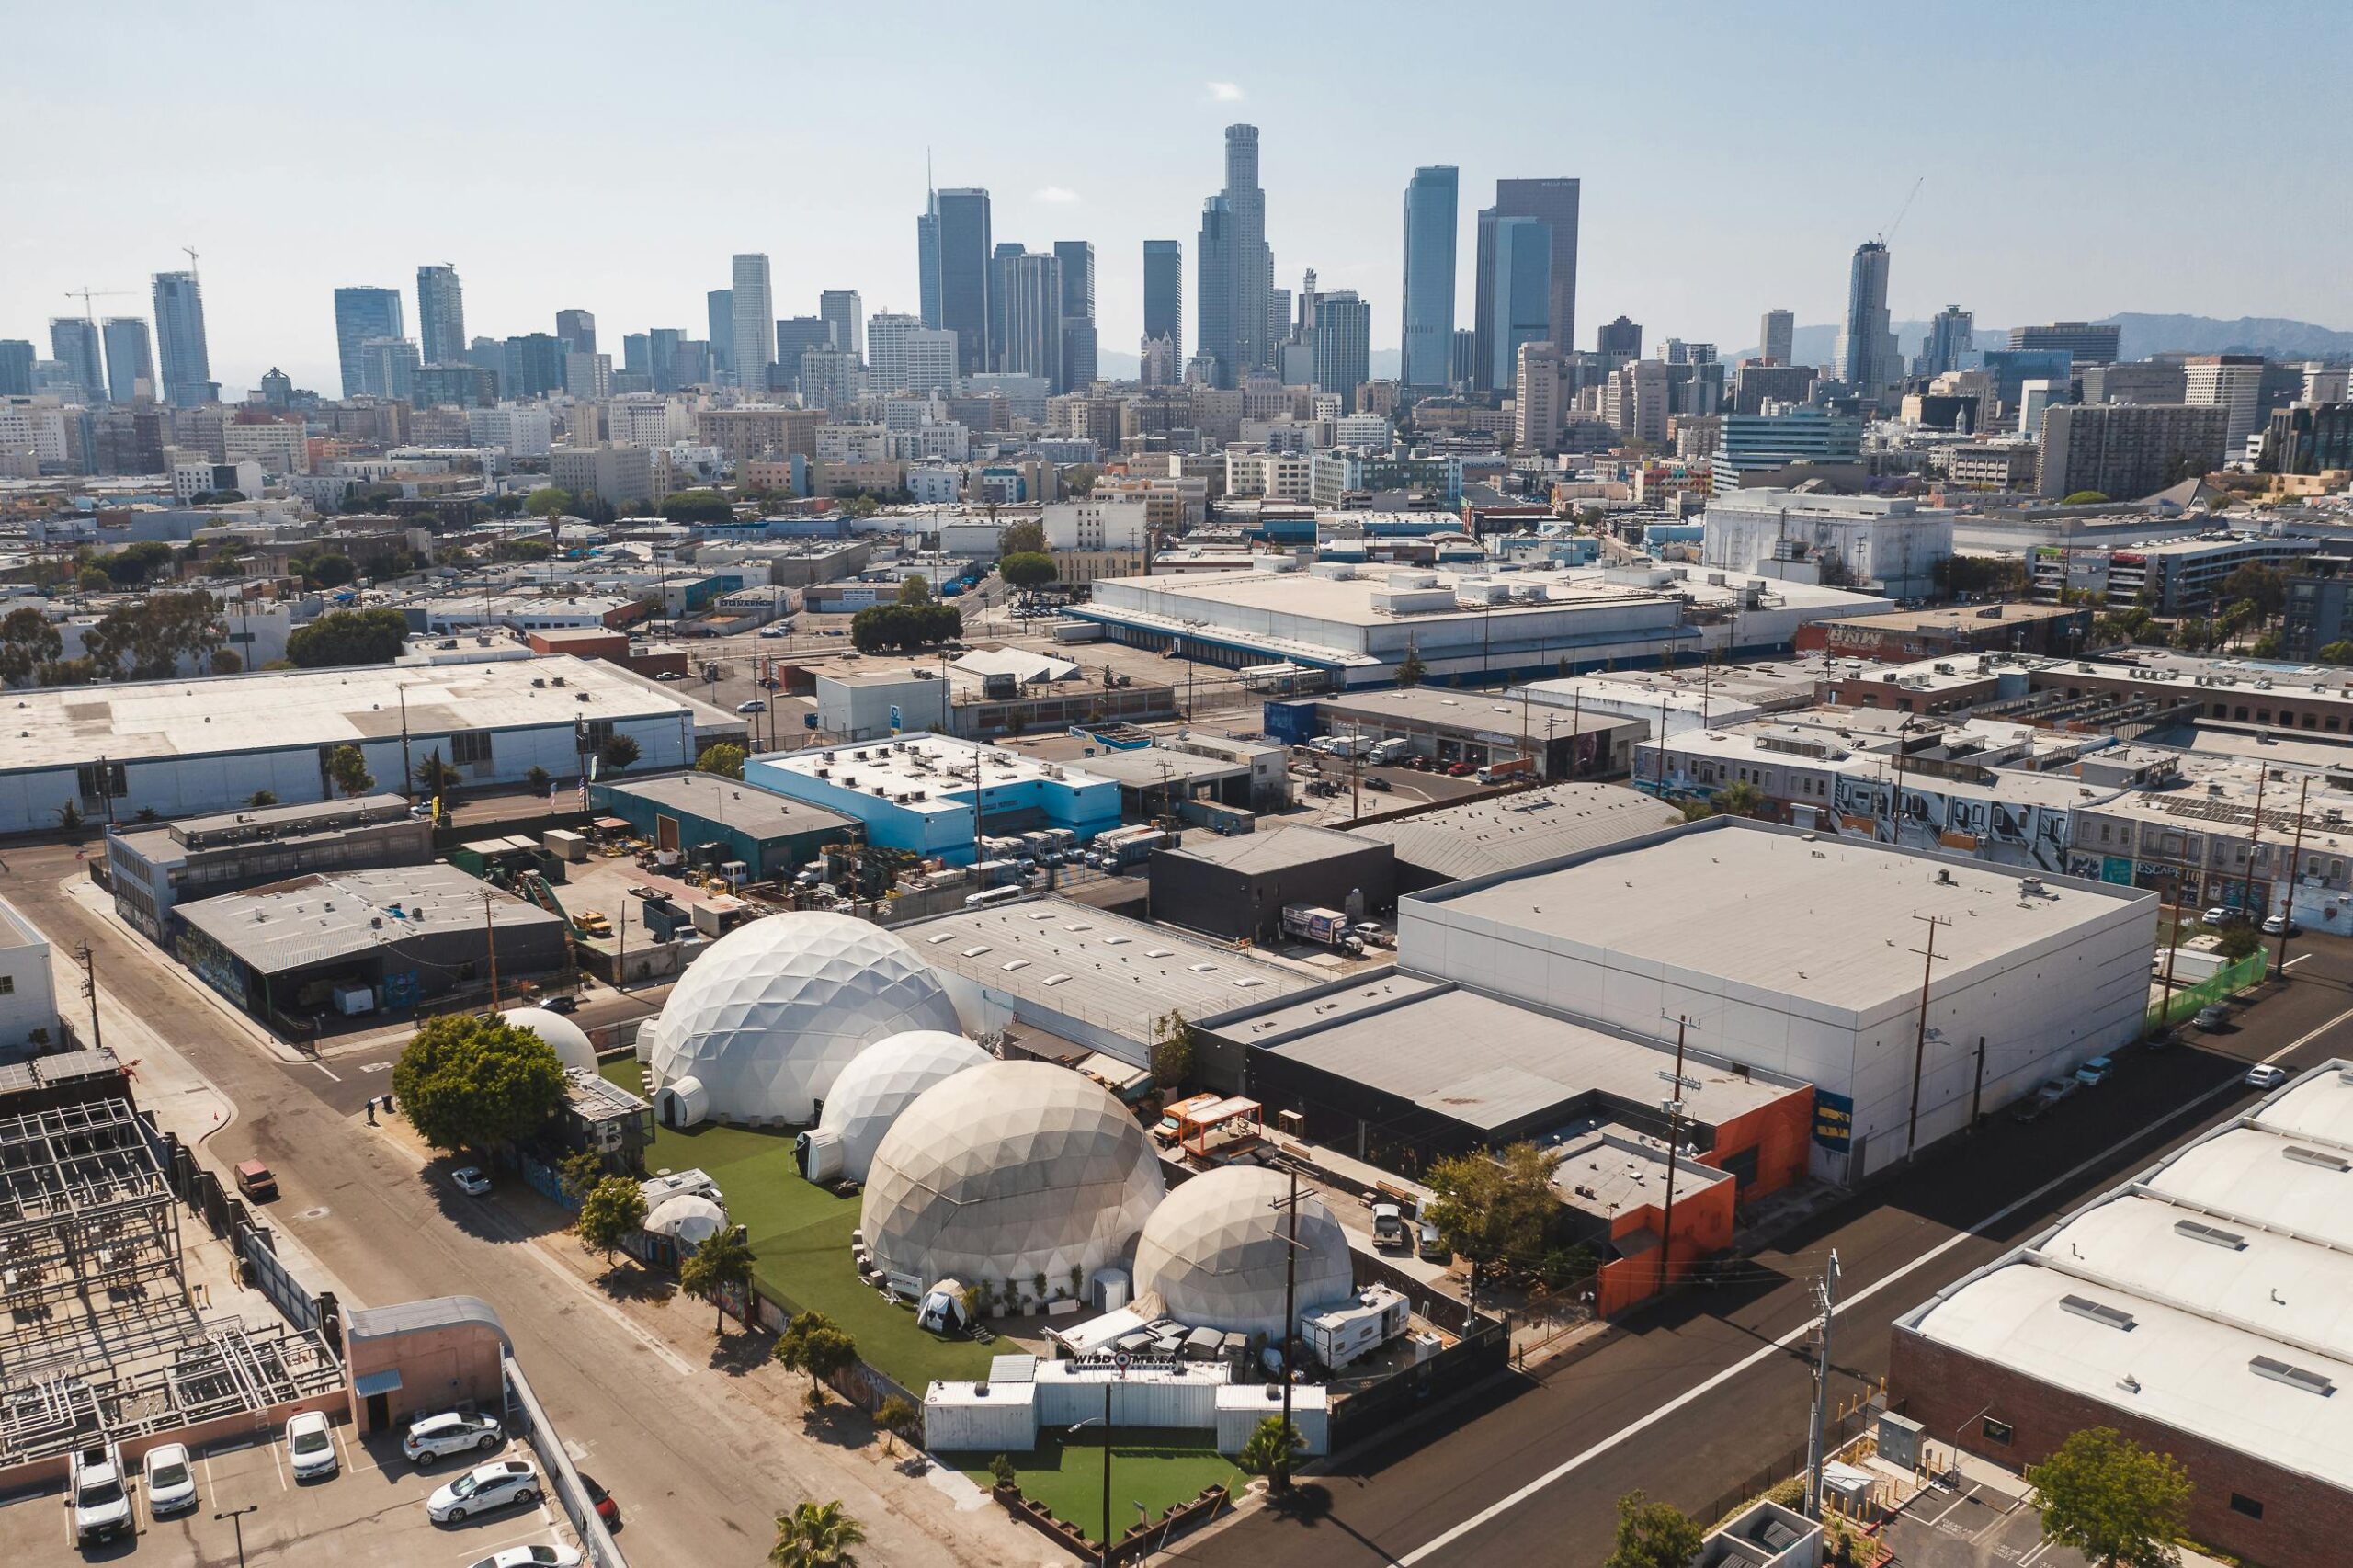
(1827,919)
(938,767)
(272,709)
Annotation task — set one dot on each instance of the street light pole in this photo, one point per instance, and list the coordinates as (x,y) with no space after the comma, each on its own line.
(236,1518)
(1826,1292)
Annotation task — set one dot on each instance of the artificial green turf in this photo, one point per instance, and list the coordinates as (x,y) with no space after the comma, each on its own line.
(800,1239)
(1156,1468)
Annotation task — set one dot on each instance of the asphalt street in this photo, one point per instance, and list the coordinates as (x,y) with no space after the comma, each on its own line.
(1707,1390)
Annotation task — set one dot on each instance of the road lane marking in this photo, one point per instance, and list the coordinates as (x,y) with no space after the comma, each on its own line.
(328,1071)
(1503,1506)
(2294,961)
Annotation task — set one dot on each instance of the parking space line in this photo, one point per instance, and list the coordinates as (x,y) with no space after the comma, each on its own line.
(2294,961)
(1955,1504)
(279,1468)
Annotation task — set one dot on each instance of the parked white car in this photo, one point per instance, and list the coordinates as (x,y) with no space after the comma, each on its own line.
(2265,1077)
(310,1447)
(502,1483)
(533,1557)
(171,1480)
(469,1180)
(453,1432)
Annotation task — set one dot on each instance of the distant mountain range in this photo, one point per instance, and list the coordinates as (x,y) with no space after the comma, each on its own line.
(2144,335)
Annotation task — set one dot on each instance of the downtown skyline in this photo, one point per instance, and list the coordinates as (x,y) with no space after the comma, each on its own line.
(1783,215)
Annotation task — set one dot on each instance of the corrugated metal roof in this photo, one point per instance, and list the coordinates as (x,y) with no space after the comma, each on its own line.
(1271,849)
(1497,833)
(317,919)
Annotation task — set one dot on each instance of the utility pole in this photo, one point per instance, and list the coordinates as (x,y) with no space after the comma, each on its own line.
(1825,1291)
(490,930)
(1278,1481)
(2287,905)
(1676,1084)
(89,962)
(408,769)
(2254,839)
(1920,1039)
(1977,1085)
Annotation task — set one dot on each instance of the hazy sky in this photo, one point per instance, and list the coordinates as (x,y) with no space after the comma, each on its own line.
(2081,158)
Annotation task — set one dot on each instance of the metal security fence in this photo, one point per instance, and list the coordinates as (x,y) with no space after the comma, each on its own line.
(2220,986)
(524,1414)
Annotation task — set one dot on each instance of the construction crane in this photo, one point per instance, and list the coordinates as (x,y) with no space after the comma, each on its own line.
(192,256)
(86,294)
(1884,235)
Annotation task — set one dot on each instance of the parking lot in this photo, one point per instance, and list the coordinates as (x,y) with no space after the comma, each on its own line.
(370,1514)
(1982,1523)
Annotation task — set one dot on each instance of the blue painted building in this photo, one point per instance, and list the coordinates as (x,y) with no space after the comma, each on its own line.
(917,793)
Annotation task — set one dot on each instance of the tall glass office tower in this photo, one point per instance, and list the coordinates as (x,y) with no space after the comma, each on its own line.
(361,316)
(440,315)
(180,333)
(1431,218)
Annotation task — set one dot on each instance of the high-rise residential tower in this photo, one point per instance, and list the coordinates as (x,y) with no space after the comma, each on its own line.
(184,358)
(1867,356)
(1431,219)
(1236,267)
(904,355)
(440,315)
(1164,290)
(1776,334)
(751,335)
(362,316)
(847,313)
(73,343)
(960,253)
(17,357)
(579,327)
(719,312)
(129,358)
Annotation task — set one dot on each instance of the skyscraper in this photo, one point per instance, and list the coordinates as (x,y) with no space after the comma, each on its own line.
(1029,287)
(963,250)
(440,315)
(847,313)
(718,309)
(751,336)
(1236,267)
(1518,285)
(388,367)
(129,361)
(73,343)
(1164,290)
(17,357)
(927,263)
(362,314)
(180,333)
(662,351)
(906,356)
(580,327)
(1431,218)
(1775,335)
(1867,358)
(795,336)
(1076,260)
(1620,339)
(1951,335)
(1343,343)
(1552,203)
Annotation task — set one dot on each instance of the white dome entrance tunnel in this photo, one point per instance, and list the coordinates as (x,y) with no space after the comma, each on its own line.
(769,1018)
(879,1083)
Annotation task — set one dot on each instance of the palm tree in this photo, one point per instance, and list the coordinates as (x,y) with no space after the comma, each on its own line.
(816,1535)
(1740,799)
(1268,1451)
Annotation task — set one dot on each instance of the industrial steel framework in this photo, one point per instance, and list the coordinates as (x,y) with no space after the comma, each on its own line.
(84,1206)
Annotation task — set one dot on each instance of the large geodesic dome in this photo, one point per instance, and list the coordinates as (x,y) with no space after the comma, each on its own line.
(1215,1252)
(764,1022)
(568,1040)
(879,1082)
(1007,1171)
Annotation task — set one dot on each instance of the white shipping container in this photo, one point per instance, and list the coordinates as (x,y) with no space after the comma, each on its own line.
(1140,1399)
(1241,1406)
(960,1418)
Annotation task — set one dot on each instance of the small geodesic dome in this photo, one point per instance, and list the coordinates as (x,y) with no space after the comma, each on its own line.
(1216,1250)
(1008,1171)
(567,1039)
(769,1016)
(689,1218)
(880,1082)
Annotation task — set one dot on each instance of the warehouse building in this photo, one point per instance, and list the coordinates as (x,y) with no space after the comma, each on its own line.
(1493,834)
(688,810)
(2198,1309)
(293,952)
(151,868)
(1806,957)
(920,793)
(182,748)
(1236,887)
(1473,727)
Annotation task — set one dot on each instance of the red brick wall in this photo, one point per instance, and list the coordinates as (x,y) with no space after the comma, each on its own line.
(2305,1523)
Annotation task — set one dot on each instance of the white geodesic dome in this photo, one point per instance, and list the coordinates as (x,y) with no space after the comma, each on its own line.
(884,1080)
(776,1009)
(1215,1252)
(688,1218)
(567,1039)
(1007,1171)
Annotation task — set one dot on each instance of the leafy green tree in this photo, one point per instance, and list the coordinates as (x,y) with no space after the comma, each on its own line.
(539,777)
(721,1263)
(894,1418)
(2336,654)
(816,1535)
(69,816)
(724,759)
(1269,1449)
(579,1172)
(882,628)
(344,637)
(1025,537)
(915,591)
(549,501)
(140,563)
(613,1211)
(327,571)
(92,580)
(28,641)
(434,776)
(1411,671)
(348,768)
(617,753)
(261,797)
(1173,1051)
(704,505)
(1028,569)
(814,1344)
(1741,799)
(227,662)
(521,549)
(2084,498)
(150,638)
(1493,1208)
(471,1081)
(2114,1501)
(1652,1535)
(2265,587)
